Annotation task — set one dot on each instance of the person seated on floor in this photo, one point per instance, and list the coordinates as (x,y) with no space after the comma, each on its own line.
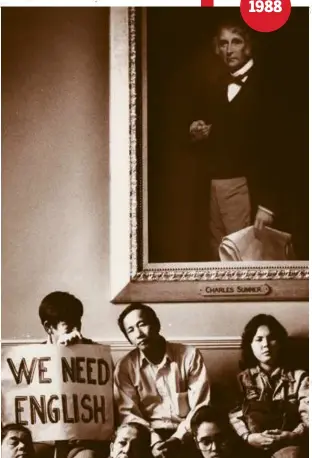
(132,440)
(158,383)
(16,442)
(273,415)
(212,434)
(60,314)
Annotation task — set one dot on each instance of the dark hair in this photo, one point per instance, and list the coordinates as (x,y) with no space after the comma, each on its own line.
(60,306)
(209,414)
(149,314)
(14,427)
(278,331)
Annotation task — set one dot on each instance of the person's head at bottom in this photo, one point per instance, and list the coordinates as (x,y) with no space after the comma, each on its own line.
(210,433)
(132,440)
(16,442)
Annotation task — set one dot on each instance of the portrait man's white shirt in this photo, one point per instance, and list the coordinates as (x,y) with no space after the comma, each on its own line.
(233,88)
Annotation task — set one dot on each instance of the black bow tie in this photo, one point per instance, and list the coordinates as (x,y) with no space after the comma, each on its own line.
(236,79)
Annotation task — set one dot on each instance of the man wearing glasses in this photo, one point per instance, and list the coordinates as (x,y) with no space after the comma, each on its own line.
(212,434)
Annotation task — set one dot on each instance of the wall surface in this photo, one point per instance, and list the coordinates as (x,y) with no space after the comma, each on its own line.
(55,183)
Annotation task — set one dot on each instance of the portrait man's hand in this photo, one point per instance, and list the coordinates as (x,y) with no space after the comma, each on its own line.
(262,219)
(199,130)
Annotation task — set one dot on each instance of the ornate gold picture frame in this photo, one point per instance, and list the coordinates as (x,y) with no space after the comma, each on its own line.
(135,277)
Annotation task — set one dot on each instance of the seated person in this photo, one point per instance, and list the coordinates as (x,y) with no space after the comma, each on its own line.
(16,442)
(132,440)
(211,434)
(273,415)
(159,383)
(60,314)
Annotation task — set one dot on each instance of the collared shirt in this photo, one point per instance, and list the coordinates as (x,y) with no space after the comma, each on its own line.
(163,396)
(233,88)
(288,385)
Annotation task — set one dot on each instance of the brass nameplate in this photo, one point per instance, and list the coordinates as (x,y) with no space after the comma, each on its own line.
(244,289)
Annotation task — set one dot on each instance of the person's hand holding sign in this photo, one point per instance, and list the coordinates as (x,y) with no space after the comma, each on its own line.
(199,130)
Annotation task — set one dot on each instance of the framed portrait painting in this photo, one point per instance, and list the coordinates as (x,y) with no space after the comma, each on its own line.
(208,164)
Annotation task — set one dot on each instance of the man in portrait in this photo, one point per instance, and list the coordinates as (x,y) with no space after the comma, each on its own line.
(236,131)
(227,131)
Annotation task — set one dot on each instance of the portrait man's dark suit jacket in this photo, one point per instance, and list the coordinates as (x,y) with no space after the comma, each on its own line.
(244,138)
(247,138)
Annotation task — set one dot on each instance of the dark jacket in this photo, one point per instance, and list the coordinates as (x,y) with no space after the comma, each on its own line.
(244,137)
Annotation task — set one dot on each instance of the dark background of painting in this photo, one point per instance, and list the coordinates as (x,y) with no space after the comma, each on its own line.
(180,59)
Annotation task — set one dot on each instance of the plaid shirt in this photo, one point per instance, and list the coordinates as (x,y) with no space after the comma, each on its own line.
(286,385)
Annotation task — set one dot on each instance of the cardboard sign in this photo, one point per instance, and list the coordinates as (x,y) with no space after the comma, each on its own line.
(58,392)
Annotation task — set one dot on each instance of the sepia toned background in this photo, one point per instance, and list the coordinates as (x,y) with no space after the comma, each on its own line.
(55,189)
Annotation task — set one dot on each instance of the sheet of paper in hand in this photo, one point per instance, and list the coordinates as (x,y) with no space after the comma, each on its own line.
(245,246)
(58,392)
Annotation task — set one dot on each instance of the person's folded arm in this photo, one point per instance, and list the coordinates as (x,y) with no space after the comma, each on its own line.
(236,416)
(126,397)
(127,400)
(236,419)
(303,405)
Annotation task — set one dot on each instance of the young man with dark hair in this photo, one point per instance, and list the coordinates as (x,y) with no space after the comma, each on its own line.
(60,314)
(158,384)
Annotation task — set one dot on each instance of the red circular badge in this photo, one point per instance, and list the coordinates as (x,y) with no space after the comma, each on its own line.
(265,15)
